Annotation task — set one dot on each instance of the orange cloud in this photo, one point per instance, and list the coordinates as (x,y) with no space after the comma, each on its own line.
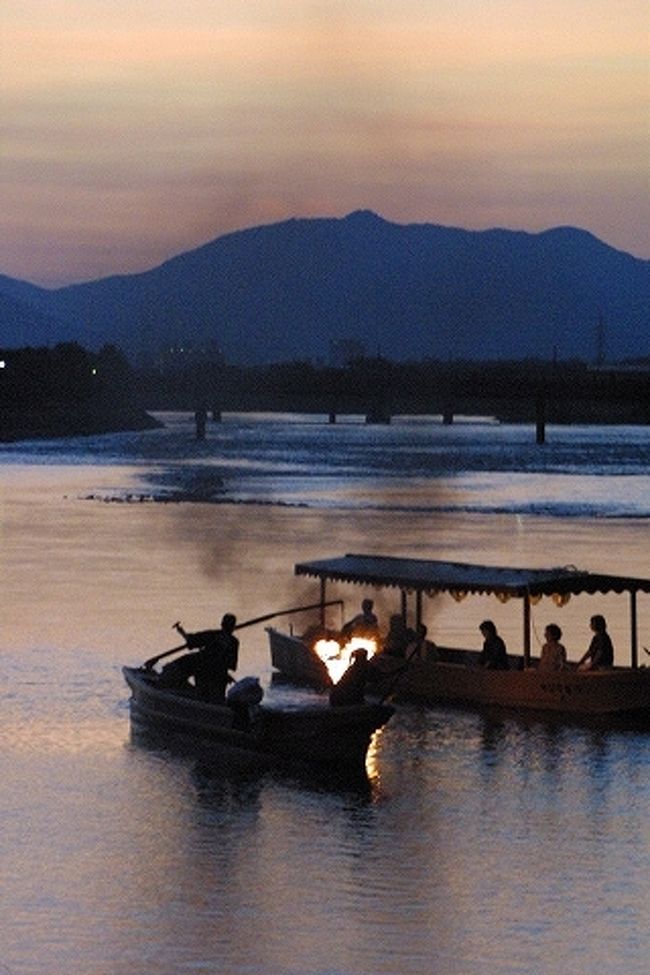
(191,119)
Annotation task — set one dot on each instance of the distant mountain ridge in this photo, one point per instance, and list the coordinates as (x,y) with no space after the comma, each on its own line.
(285,291)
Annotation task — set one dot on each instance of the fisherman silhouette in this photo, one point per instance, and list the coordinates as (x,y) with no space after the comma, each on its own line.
(217,654)
(349,690)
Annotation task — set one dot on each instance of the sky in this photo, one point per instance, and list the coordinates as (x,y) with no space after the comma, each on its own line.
(134,130)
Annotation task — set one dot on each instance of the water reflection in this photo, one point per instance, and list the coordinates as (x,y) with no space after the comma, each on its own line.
(270,848)
(213,774)
(485,843)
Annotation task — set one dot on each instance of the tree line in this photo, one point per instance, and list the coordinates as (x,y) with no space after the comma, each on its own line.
(573,391)
(68,389)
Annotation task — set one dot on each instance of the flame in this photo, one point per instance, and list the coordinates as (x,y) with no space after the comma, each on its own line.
(338,658)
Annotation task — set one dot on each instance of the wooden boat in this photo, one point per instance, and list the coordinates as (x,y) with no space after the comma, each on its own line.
(297,660)
(319,737)
(453,675)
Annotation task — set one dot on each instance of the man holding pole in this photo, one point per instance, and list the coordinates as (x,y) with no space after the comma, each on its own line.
(217,655)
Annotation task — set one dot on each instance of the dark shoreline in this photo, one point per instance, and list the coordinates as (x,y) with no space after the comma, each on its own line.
(17,425)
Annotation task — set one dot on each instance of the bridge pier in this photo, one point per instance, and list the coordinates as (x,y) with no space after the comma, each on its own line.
(378,416)
(540,419)
(200,417)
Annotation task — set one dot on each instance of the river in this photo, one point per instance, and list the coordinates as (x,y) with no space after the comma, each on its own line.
(484,843)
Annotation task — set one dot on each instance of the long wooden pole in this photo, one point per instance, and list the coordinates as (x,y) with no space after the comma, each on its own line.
(287,612)
(148,664)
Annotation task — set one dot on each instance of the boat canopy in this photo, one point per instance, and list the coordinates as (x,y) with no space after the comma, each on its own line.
(430,577)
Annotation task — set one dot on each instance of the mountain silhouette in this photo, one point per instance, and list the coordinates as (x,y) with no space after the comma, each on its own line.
(286,291)
(22,320)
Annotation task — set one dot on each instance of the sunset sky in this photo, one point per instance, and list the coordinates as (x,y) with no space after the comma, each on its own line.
(134,130)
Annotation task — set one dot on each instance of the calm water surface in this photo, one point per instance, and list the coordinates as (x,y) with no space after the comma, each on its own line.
(484,844)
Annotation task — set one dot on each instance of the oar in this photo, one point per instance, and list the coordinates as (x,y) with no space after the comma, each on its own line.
(148,664)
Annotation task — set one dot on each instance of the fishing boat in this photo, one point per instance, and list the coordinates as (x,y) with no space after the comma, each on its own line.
(317,737)
(452,675)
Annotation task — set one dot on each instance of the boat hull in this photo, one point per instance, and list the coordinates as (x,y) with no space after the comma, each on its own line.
(317,738)
(296,661)
(457,679)
(571,692)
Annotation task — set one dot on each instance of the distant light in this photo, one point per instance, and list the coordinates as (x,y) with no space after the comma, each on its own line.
(94,372)
(2,364)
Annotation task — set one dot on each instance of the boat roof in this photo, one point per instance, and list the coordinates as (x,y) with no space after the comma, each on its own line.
(429,576)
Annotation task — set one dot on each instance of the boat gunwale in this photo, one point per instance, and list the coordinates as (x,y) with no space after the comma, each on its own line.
(136,676)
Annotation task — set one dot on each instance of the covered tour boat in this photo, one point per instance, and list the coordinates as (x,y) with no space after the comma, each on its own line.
(452,675)
(318,737)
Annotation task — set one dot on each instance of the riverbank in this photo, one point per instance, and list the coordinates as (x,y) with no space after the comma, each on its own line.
(62,421)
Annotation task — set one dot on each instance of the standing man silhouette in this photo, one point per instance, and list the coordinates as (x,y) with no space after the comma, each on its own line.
(217,654)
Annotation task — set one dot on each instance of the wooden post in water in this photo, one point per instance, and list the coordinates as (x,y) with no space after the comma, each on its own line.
(447,415)
(332,417)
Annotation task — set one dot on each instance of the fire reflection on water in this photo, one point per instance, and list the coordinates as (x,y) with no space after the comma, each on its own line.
(337,657)
(372,757)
